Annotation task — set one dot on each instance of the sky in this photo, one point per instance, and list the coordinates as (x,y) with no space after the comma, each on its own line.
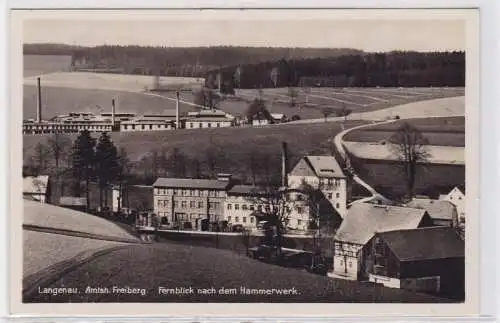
(375,35)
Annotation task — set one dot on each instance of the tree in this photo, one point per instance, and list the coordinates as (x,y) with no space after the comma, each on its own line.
(123,171)
(257,108)
(83,161)
(207,98)
(327,111)
(409,146)
(345,112)
(58,143)
(106,165)
(274,76)
(41,157)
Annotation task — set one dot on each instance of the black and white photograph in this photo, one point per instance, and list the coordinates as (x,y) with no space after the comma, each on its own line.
(251,156)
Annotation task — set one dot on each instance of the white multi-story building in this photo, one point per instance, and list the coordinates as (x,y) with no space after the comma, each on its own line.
(323,173)
(244,202)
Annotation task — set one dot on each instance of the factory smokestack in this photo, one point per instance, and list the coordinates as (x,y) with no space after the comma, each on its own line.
(284,162)
(177,126)
(38,101)
(113,110)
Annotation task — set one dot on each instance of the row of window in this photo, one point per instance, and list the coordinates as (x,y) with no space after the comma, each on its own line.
(189,192)
(192,204)
(243,219)
(200,125)
(329,181)
(150,127)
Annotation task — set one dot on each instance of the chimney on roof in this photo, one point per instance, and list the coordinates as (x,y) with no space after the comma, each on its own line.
(38,101)
(284,161)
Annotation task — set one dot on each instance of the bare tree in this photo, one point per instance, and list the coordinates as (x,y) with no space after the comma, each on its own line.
(293,94)
(58,144)
(41,156)
(409,146)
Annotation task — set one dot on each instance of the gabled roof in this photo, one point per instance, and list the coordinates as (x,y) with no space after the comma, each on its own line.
(35,184)
(191,183)
(363,220)
(437,209)
(425,243)
(320,166)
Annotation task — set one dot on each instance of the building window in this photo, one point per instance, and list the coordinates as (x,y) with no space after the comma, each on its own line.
(338,195)
(251,207)
(176,203)
(244,219)
(337,205)
(133,127)
(192,204)
(183,204)
(200,125)
(142,127)
(229,206)
(229,219)
(209,125)
(300,210)
(244,207)
(200,204)
(259,208)
(341,262)
(218,125)
(299,197)
(150,126)
(236,206)
(236,219)
(350,264)
(251,219)
(330,196)
(299,222)
(191,125)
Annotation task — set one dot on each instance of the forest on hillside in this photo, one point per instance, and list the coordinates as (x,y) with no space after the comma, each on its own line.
(393,69)
(176,61)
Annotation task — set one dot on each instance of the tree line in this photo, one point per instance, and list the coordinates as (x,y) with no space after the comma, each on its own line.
(393,69)
(175,61)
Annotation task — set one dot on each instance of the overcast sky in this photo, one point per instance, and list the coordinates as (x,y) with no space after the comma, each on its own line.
(368,35)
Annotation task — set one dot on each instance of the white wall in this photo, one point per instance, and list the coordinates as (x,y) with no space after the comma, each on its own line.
(204,124)
(386,281)
(236,216)
(138,127)
(457,198)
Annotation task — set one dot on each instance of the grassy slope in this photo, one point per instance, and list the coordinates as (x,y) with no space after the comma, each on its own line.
(173,265)
(448,131)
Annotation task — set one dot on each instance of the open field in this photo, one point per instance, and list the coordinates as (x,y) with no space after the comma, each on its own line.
(446,131)
(235,142)
(437,154)
(166,264)
(45,64)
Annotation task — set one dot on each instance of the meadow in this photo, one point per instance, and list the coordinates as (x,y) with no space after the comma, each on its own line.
(45,64)
(445,131)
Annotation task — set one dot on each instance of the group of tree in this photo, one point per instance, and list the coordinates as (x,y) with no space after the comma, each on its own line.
(96,161)
(175,61)
(392,69)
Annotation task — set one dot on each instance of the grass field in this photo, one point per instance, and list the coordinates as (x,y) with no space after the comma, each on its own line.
(44,64)
(447,131)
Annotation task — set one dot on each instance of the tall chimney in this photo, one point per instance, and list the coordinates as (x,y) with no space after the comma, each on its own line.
(38,101)
(284,161)
(113,113)
(177,126)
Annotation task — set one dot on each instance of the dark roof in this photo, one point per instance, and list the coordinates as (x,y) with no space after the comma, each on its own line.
(191,183)
(425,243)
(321,166)
(363,220)
(246,190)
(437,209)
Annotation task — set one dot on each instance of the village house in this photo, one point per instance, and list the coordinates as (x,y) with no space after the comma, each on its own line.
(261,119)
(190,203)
(149,123)
(430,260)
(456,197)
(323,173)
(360,224)
(244,204)
(36,188)
(443,213)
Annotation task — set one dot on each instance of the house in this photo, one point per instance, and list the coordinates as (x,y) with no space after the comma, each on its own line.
(261,119)
(323,173)
(360,224)
(36,188)
(75,203)
(443,213)
(190,202)
(244,202)
(456,197)
(208,119)
(430,260)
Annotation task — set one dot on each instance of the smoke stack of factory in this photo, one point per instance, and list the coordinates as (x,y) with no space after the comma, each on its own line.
(284,162)
(38,101)
(177,125)
(113,110)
